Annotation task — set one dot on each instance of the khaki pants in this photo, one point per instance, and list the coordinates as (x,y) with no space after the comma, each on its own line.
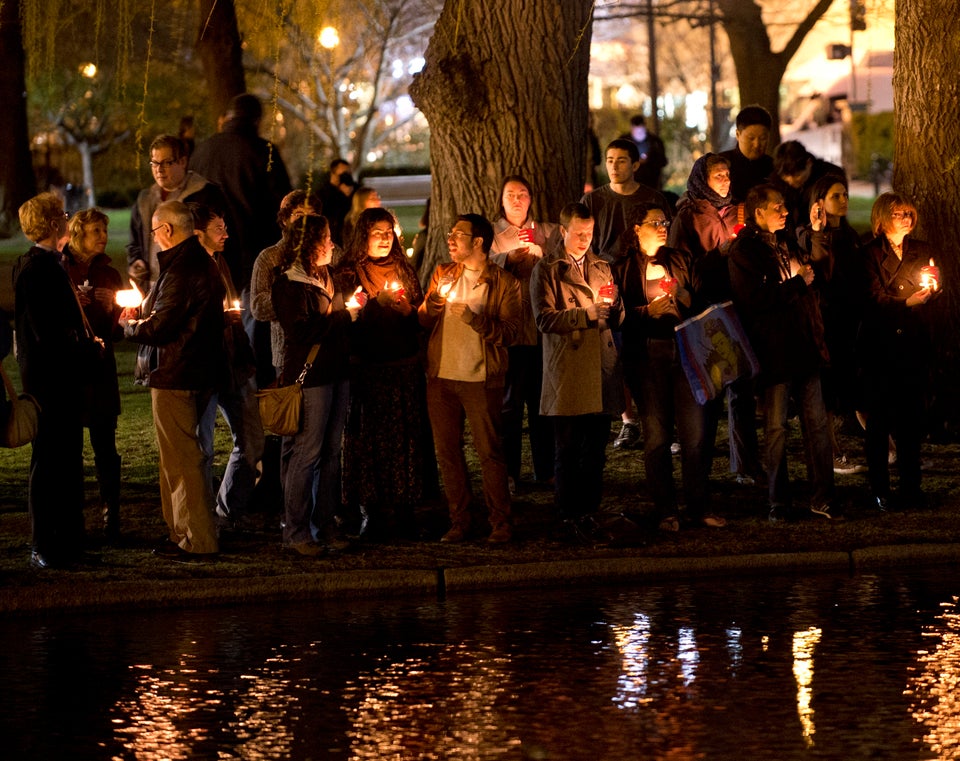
(186,492)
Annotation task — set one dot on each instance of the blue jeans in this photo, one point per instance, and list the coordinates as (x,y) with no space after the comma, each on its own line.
(311,465)
(664,398)
(242,413)
(816,439)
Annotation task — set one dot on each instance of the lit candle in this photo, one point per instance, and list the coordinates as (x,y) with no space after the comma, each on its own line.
(444,285)
(129,298)
(930,276)
(236,306)
(357,299)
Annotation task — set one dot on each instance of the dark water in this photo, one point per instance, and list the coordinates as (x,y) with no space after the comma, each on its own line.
(812,667)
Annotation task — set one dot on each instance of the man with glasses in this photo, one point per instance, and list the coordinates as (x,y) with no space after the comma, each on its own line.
(53,346)
(472,310)
(575,305)
(172,182)
(180,329)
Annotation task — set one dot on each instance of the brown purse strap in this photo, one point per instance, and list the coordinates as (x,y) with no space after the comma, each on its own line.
(314,350)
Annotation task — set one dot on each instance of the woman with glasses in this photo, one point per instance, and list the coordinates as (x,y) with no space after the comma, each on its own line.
(97,282)
(895,346)
(386,440)
(313,311)
(659,290)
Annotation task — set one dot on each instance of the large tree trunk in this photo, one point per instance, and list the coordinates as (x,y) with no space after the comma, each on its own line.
(17,181)
(926,88)
(504,89)
(218,43)
(759,69)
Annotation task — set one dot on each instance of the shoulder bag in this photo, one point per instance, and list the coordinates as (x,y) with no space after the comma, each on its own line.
(281,407)
(22,417)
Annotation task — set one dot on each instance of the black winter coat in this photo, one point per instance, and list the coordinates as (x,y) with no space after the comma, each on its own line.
(183,320)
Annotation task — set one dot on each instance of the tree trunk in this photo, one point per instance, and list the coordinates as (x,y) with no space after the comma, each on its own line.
(504,89)
(926,90)
(759,69)
(218,43)
(17,181)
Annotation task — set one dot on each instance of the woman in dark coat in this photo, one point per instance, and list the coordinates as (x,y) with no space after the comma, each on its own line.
(97,283)
(658,289)
(312,311)
(895,346)
(387,431)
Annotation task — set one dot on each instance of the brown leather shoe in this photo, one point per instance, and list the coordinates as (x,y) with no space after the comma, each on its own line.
(500,535)
(454,535)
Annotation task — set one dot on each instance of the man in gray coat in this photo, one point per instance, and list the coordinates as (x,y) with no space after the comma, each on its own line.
(575,304)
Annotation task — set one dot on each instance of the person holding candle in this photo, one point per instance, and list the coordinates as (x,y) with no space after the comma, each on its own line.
(576,304)
(706,223)
(52,344)
(180,329)
(387,429)
(895,346)
(236,397)
(659,288)
(834,249)
(312,310)
(780,312)
(472,310)
(97,283)
(518,244)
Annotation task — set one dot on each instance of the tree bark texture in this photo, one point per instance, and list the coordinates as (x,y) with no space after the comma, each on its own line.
(504,89)
(759,69)
(17,181)
(926,104)
(218,43)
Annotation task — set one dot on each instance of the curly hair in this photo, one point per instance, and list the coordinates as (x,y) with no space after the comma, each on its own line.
(357,250)
(78,221)
(300,244)
(37,213)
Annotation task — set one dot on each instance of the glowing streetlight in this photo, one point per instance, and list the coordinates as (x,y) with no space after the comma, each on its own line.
(328,38)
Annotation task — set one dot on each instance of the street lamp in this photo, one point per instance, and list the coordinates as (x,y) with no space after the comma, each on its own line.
(328,38)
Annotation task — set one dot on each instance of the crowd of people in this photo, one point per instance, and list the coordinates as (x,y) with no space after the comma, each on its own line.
(564,325)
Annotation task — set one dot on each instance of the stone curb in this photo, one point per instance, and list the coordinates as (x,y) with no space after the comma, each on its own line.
(440,582)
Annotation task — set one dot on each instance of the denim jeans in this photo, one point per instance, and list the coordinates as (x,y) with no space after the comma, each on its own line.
(311,458)
(242,413)
(664,398)
(523,386)
(816,439)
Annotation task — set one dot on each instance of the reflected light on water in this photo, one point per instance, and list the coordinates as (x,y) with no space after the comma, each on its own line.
(633,643)
(173,712)
(804,643)
(935,684)
(444,704)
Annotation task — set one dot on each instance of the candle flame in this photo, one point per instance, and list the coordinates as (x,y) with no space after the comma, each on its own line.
(130,297)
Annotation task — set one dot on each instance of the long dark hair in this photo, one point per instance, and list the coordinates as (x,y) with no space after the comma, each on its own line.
(357,250)
(303,239)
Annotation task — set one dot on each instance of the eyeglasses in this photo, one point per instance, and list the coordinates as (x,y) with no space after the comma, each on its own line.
(456,233)
(165,164)
(154,229)
(901,215)
(659,224)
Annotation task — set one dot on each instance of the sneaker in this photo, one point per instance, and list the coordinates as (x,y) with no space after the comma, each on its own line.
(778,514)
(744,479)
(844,467)
(628,438)
(675,449)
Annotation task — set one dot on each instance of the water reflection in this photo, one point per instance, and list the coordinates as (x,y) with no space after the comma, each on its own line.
(819,667)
